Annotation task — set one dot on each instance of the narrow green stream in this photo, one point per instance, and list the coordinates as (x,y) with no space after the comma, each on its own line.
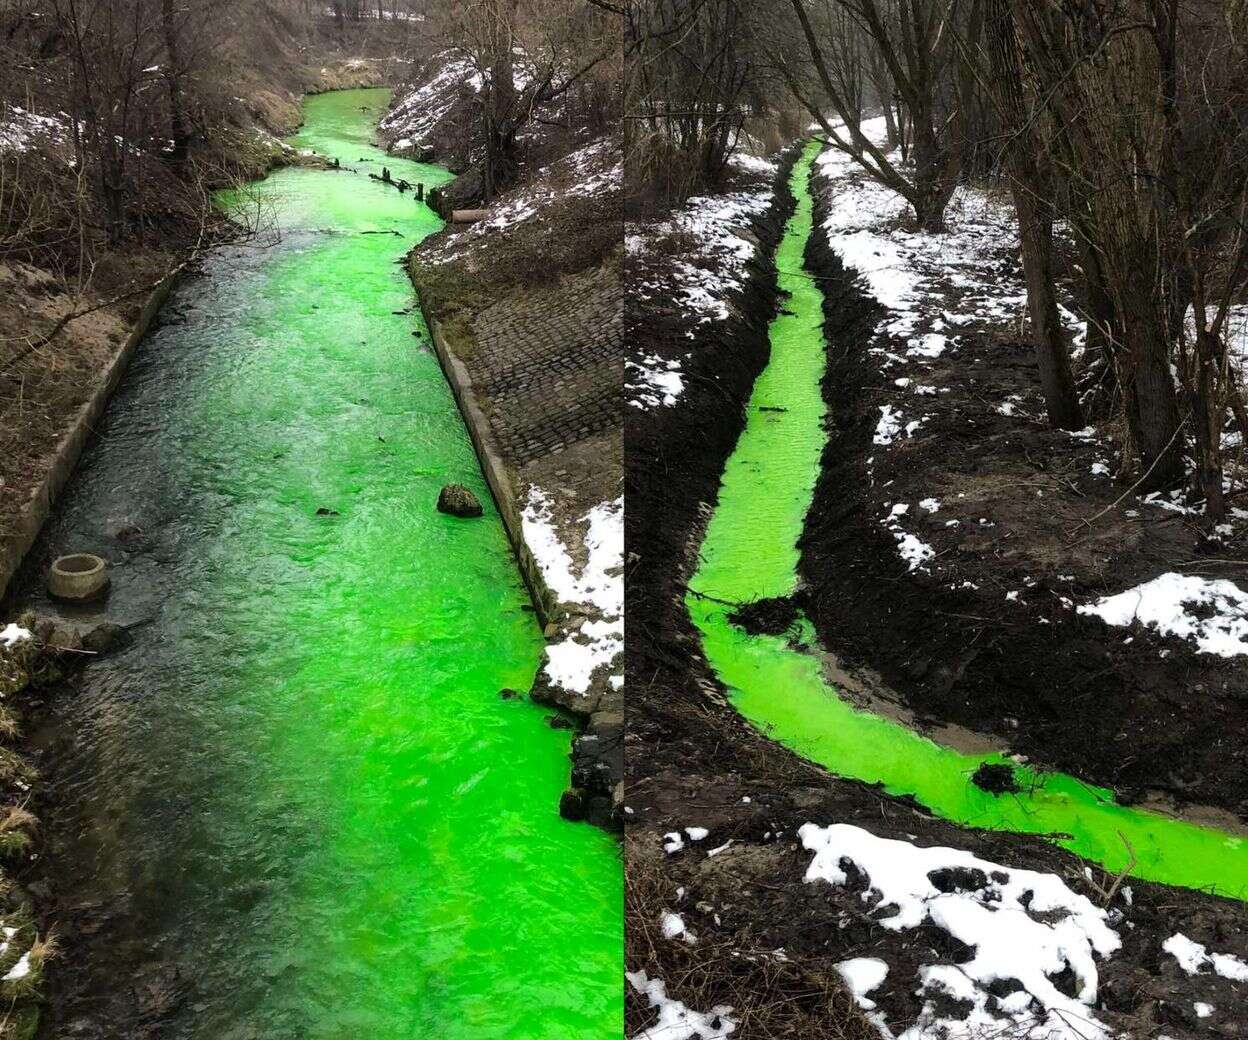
(300,783)
(750,552)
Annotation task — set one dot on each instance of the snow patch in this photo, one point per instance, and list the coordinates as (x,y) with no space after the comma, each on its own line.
(13,634)
(1195,959)
(677,1022)
(1023,925)
(1166,604)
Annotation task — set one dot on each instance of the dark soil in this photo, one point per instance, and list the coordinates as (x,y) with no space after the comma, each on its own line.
(1126,709)
(995,778)
(767,617)
(691,760)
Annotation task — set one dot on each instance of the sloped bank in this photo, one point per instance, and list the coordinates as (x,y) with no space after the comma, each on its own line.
(722,905)
(982,632)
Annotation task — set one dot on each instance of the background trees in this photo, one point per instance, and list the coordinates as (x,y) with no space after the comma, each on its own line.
(1119,127)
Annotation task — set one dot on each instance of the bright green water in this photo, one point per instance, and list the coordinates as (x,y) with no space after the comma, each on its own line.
(750,552)
(301,775)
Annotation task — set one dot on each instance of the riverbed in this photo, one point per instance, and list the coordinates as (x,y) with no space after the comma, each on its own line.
(296,805)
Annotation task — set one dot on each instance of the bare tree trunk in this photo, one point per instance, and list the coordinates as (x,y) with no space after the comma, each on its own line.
(1152,408)
(1033,202)
(179,125)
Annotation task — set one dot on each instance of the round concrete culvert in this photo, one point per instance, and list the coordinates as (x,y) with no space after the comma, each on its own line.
(78,578)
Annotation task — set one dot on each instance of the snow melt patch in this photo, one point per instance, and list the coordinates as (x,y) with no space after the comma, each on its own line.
(20,129)
(716,248)
(1023,925)
(1195,959)
(1167,604)
(19,970)
(677,1022)
(13,634)
(599,585)
(861,976)
(652,380)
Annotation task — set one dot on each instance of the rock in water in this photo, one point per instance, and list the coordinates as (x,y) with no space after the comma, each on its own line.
(458,501)
(105,637)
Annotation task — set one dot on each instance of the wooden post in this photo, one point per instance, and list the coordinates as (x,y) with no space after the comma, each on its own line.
(420,191)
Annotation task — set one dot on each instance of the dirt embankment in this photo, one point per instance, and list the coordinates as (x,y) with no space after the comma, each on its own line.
(1024,524)
(766,942)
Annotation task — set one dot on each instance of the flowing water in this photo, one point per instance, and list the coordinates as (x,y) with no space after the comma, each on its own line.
(750,552)
(298,799)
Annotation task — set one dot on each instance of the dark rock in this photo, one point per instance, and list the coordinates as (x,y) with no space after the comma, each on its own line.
(995,778)
(572,804)
(508,694)
(106,636)
(325,511)
(457,500)
(559,722)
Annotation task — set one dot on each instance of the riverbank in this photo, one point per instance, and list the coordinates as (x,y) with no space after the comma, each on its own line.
(526,311)
(967,556)
(76,339)
(724,907)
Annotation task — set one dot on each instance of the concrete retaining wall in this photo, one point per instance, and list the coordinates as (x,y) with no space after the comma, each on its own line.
(495,470)
(17,542)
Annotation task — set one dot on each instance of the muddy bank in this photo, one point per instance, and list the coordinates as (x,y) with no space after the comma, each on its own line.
(737,879)
(985,636)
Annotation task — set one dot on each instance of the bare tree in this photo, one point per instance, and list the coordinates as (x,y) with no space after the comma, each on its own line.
(934,84)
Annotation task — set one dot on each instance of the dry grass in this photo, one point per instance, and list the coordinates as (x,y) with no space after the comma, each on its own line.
(770,997)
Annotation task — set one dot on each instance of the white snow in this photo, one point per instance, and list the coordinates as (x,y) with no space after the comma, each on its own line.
(598,585)
(673,926)
(1195,959)
(12,634)
(19,970)
(888,427)
(1165,603)
(652,380)
(1202,1009)
(594,169)
(677,1022)
(862,975)
(936,287)
(1022,925)
(916,552)
(716,244)
(20,129)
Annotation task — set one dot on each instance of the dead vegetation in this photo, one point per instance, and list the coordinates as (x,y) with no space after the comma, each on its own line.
(767,995)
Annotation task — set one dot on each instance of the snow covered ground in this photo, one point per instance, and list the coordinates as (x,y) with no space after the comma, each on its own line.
(417,114)
(910,273)
(1026,928)
(21,129)
(594,170)
(593,588)
(1213,613)
(677,1022)
(708,244)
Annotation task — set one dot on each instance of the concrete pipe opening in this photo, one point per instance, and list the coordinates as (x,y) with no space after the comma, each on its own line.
(78,578)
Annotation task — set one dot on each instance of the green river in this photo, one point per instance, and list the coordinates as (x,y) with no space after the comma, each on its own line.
(298,794)
(750,552)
